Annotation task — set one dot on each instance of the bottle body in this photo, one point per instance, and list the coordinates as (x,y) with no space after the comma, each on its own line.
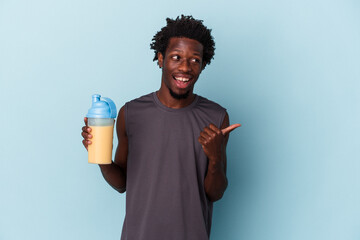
(100,150)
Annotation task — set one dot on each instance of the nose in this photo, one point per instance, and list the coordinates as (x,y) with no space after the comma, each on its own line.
(184,66)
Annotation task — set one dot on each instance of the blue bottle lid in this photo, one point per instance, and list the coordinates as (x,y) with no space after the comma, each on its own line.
(102,108)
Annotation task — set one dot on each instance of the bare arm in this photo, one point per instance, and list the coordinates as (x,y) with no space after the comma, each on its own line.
(214,141)
(114,173)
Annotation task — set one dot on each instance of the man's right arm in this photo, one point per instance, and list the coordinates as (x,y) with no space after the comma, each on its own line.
(115,173)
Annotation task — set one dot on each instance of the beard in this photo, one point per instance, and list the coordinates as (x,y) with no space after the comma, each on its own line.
(179,96)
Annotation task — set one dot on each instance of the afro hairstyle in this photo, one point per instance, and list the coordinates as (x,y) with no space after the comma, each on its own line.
(184,26)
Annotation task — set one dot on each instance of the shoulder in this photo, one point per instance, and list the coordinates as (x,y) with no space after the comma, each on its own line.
(211,110)
(136,111)
(139,107)
(143,99)
(210,105)
(142,102)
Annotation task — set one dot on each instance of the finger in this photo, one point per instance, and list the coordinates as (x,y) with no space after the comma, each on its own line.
(209,132)
(214,128)
(230,128)
(202,140)
(205,135)
(86,129)
(86,135)
(85,144)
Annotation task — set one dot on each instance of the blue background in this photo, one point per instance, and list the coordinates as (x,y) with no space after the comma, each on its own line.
(287,70)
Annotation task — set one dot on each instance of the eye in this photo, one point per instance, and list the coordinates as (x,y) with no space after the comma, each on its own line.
(195,60)
(175,57)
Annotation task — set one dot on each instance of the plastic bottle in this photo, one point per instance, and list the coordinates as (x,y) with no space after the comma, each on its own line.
(101,118)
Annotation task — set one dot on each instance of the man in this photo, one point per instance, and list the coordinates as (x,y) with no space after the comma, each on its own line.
(171,157)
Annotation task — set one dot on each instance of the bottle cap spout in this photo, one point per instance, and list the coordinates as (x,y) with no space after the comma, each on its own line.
(102,107)
(96,97)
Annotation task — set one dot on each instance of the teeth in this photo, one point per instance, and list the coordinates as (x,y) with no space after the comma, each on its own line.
(182,79)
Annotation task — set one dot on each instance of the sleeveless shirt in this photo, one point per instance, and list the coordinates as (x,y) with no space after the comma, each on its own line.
(166,169)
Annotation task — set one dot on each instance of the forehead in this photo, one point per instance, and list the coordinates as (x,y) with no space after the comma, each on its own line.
(182,44)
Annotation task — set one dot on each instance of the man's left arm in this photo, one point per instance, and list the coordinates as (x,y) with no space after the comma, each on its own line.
(213,141)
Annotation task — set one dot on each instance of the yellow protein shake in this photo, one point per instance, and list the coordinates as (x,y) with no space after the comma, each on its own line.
(101,117)
(100,150)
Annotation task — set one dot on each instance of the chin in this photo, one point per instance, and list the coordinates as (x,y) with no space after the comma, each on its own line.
(179,95)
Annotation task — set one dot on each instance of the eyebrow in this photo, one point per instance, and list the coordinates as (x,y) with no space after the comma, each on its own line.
(178,50)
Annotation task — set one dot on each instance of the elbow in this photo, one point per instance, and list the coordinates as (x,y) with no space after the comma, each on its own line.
(216,195)
(120,188)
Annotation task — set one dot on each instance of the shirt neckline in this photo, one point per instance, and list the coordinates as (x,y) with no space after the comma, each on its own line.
(168,109)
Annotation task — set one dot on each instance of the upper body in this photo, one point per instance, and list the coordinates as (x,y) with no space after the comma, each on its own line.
(182,57)
(166,169)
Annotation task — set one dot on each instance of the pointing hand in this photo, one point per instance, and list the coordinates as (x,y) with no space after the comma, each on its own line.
(230,128)
(212,140)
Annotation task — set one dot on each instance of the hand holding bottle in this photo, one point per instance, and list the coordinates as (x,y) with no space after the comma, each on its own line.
(86,134)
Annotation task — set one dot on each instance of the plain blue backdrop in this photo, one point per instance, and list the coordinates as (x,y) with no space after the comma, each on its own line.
(289,71)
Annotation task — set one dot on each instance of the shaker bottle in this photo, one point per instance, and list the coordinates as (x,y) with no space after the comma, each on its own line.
(101,117)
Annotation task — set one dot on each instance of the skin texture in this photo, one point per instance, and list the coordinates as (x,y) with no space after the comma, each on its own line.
(182,60)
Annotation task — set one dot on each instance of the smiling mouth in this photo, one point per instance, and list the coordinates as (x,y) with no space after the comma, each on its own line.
(182,79)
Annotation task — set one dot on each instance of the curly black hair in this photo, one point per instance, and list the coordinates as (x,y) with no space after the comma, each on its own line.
(184,26)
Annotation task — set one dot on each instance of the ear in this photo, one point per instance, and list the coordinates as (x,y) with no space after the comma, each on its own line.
(160,59)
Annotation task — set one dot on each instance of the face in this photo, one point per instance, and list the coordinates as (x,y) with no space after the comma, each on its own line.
(181,66)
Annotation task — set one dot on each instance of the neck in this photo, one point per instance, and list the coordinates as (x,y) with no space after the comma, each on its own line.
(174,102)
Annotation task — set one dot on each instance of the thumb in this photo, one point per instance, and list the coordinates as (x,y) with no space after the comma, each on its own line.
(230,128)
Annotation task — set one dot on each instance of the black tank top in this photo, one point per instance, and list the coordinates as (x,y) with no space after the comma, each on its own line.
(166,169)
